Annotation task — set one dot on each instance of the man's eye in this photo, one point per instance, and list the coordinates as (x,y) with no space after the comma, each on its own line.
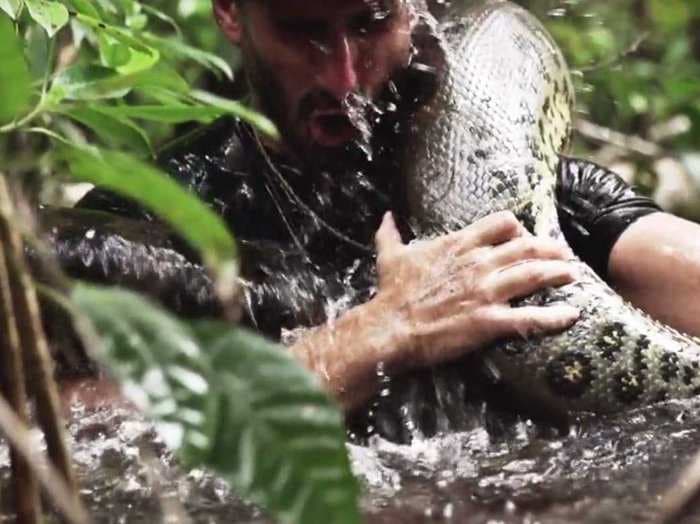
(370,22)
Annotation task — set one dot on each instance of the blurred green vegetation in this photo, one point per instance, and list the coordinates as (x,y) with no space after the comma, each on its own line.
(88,90)
(636,64)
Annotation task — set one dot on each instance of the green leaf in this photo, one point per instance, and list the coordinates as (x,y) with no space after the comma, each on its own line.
(50,15)
(114,130)
(37,51)
(92,82)
(157,13)
(235,403)
(11,7)
(155,190)
(113,53)
(120,49)
(170,114)
(85,7)
(89,82)
(174,48)
(260,121)
(15,81)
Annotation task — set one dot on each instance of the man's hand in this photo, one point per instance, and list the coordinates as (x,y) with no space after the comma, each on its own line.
(439,299)
(453,292)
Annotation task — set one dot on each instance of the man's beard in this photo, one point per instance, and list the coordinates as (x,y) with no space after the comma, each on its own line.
(356,110)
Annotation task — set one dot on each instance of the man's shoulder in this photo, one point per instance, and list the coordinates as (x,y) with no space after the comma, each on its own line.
(595,206)
(207,151)
(212,161)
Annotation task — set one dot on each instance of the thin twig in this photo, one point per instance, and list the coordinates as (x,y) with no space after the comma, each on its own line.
(633,143)
(613,60)
(51,480)
(26,491)
(37,360)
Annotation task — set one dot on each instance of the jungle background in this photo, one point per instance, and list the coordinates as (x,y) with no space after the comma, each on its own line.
(89,91)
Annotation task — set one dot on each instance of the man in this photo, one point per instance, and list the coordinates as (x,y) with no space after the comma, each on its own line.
(323,70)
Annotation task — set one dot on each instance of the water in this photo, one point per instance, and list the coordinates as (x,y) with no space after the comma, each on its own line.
(607,469)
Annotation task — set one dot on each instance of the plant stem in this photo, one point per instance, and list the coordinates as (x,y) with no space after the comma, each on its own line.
(13,126)
(17,433)
(26,493)
(37,360)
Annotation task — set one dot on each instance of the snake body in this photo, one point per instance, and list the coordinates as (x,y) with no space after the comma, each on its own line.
(489,140)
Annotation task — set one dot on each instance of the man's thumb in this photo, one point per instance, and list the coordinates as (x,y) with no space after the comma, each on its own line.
(387,236)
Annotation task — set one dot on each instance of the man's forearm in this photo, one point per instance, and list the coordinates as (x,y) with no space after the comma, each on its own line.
(438,299)
(655,264)
(345,352)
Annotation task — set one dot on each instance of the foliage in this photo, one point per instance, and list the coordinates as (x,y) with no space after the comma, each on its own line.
(87,90)
(637,69)
(232,401)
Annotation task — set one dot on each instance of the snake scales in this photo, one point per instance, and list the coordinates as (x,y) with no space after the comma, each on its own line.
(489,140)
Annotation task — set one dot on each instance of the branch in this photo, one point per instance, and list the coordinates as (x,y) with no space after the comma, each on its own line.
(24,486)
(633,143)
(37,360)
(51,480)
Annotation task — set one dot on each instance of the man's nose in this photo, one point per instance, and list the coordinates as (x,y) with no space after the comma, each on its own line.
(338,73)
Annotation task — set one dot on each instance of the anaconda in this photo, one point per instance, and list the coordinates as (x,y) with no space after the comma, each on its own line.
(489,140)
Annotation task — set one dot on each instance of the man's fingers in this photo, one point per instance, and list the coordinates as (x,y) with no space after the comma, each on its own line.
(529,321)
(523,279)
(387,237)
(488,231)
(526,248)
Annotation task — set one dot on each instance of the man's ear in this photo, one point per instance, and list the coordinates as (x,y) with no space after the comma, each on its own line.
(228,16)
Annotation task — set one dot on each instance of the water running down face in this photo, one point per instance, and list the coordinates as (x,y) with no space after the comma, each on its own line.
(317,66)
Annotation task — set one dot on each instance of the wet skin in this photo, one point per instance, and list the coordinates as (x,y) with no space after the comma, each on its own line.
(310,62)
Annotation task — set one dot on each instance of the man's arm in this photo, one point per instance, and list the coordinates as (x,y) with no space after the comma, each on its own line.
(438,299)
(655,264)
(650,257)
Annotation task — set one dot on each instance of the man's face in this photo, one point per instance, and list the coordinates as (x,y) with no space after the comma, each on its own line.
(316,66)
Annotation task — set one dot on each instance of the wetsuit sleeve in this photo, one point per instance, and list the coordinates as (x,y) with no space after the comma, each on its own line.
(595,206)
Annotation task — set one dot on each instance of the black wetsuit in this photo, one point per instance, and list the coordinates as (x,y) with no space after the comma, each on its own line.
(296,265)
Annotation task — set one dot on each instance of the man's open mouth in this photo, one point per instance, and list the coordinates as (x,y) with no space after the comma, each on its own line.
(331,128)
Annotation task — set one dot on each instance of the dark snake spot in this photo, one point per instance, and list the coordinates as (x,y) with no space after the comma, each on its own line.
(570,373)
(527,217)
(640,353)
(628,386)
(688,375)
(669,366)
(610,340)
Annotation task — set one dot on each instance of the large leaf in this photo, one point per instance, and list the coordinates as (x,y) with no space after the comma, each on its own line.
(137,55)
(233,402)
(155,190)
(171,114)
(176,48)
(89,82)
(15,80)
(93,82)
(236,108)
(50,15)
(85,7)
(11,7)
(113,130)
